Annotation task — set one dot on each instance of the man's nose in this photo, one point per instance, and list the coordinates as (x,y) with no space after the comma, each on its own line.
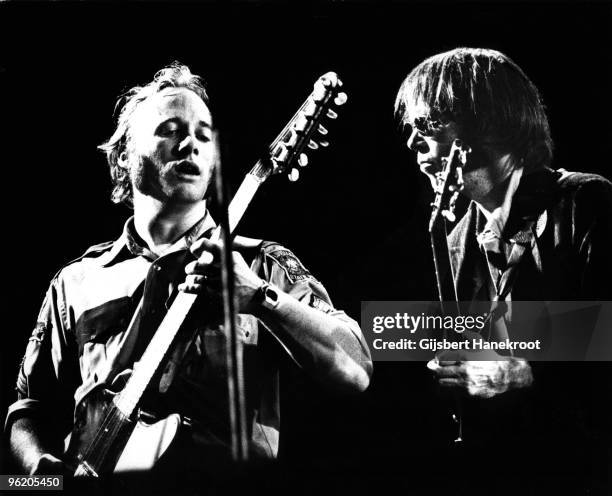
(188,145)
(416,142)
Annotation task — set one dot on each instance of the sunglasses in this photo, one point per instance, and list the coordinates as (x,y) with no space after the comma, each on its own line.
(427,126)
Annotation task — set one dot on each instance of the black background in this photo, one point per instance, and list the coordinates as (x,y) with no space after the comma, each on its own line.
(357,217)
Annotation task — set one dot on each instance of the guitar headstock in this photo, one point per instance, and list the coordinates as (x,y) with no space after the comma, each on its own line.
(449,183)
(305,132)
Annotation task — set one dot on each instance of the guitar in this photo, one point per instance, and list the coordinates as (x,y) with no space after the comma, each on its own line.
(449,183)
(109,426)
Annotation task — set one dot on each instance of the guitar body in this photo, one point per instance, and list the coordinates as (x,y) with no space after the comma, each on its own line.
(148,443)
(103,440)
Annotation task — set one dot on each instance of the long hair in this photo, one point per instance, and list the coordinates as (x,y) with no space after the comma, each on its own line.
(488,95)
(175,75)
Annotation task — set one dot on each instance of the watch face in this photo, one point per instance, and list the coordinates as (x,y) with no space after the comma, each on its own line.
(270,295)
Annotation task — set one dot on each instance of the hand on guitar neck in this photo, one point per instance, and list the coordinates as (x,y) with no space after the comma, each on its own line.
(482,374)
(204,275)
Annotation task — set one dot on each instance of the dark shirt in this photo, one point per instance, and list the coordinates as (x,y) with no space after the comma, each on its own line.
(574,244)
(556,424)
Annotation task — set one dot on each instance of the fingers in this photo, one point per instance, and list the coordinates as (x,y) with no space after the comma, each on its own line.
(193,284)
(481,379)
(452,382)
(451,371)
(202,266)
(207,254)
(198,267)
(446,368)
(451,374)
(193,280)
(204,273)
(199,283)
(206,250)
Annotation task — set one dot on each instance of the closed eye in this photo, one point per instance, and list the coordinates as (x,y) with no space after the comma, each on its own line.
(167,128)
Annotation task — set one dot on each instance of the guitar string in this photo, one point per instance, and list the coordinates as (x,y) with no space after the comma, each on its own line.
(100,446)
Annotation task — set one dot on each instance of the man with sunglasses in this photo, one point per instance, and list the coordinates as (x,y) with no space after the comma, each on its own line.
(563,221)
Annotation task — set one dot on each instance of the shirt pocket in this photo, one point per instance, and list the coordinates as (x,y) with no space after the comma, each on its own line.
(98,332)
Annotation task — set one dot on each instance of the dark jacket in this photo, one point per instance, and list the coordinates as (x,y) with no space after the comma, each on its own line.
(558,423)
(574,246)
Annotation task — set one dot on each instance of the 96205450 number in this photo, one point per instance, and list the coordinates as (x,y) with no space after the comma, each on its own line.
(40,482)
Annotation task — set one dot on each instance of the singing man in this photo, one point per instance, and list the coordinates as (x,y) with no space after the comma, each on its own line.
(161,157)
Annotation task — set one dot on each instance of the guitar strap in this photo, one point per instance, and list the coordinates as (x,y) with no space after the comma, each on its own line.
(135,340)
(178,353)
(125,356)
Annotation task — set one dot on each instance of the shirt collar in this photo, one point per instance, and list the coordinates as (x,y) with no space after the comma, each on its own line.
(133,243)
(496,220)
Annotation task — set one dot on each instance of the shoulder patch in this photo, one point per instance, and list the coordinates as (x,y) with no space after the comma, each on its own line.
(291,265)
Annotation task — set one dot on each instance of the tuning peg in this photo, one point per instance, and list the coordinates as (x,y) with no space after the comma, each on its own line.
(322,130)
(459,179)
(290,138)
(310,108)
(331,114)
(280,153)
(319,92)
(324,83)
(293,175)
(448,215)
(303,160)
(340,99)
(313,145)
(330,79)
(323,144)
(301,122)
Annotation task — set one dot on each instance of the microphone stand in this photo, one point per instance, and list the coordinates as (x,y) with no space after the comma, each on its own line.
(234,352)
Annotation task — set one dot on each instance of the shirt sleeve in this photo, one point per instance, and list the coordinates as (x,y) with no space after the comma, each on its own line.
(48,373)
(284,270)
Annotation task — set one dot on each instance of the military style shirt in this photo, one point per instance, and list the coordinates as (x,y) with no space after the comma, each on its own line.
(81,341)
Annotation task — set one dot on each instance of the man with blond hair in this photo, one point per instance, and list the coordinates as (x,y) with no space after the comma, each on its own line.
(161,159)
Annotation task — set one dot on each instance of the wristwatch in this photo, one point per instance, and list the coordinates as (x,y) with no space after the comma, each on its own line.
(268,296)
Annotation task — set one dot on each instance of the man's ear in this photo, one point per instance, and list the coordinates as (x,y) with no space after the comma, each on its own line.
(122,160)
